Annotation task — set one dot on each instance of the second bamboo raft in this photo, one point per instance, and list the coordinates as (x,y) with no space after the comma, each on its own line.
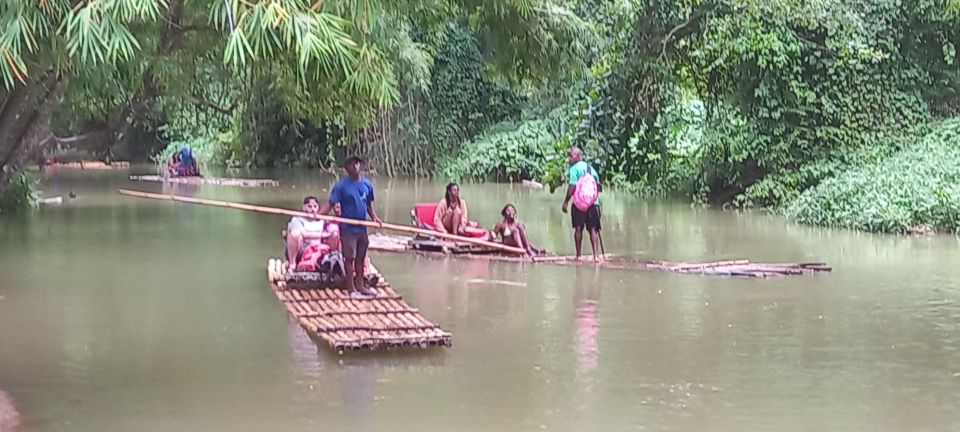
(738,267)
(330,315)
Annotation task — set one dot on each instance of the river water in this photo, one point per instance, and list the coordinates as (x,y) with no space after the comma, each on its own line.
(119,313)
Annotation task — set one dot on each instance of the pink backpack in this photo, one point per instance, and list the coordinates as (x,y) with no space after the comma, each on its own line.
(586,191)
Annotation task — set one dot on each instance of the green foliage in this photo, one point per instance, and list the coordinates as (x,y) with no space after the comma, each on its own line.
(773,83)
(462,100)
(20,195)
(507,151)
(789,75)
(917,186)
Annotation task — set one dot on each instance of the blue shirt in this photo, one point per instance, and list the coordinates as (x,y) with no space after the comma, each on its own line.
(354,197)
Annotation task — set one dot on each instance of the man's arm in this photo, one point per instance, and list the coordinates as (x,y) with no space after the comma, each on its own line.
(325,208)
(572,184)
(332,200)
(370,210)
(566,201)
(373,214)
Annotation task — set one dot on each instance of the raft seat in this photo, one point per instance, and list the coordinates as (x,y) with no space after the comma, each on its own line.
(422,217)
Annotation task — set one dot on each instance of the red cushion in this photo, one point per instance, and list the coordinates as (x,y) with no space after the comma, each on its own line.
(423,218)
(424,215)
(476,232)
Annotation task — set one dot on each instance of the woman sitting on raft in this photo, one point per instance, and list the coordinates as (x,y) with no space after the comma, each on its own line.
(451,214)
(514,233)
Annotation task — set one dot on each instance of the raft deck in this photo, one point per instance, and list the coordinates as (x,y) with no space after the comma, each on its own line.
(329,314)
(739,267)
(207,180)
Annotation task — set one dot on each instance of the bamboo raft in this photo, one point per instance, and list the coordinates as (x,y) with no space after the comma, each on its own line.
(328,313)
(207,180)
(91,165)
(425,244)
(740,267)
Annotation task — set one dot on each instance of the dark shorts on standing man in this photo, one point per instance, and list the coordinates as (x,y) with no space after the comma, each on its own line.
(589,218)
(353,244)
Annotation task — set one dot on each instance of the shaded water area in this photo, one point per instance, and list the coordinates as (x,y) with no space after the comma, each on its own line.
(126,314)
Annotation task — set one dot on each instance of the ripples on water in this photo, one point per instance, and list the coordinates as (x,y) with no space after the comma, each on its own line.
(125,314)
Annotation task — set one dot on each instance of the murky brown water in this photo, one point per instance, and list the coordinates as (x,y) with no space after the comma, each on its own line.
(125,314)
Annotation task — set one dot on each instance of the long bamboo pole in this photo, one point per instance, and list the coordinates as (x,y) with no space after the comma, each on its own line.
(286,212)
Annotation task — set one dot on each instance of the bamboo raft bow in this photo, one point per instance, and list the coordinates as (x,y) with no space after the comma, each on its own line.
(286,212)
(207,180)
(741,268)
(329,314)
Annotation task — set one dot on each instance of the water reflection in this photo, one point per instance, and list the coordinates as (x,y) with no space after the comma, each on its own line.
(586,296)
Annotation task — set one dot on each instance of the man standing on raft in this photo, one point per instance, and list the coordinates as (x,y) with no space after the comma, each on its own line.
(584,189)
(354,193)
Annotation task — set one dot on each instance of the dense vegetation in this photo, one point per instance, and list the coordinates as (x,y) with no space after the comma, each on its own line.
(784,104)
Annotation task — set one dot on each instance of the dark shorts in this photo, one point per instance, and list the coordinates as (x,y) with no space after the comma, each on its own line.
(354,245)
(589,218)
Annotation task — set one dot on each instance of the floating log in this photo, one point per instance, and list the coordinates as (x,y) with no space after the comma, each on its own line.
(91,165)
(739,267)
(532,184)
(220,181)
(329,314)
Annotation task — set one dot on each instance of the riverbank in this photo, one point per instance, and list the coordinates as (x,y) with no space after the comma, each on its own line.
(915,190)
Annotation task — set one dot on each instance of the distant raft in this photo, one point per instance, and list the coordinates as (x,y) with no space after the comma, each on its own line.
(207,180)
(90,165)
(329,314)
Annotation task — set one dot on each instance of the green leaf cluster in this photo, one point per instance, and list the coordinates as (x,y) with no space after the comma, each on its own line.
(915,187)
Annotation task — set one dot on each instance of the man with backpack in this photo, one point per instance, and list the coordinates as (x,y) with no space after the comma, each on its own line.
(584,190)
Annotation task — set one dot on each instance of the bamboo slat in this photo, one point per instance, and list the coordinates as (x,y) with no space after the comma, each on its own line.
(329,315)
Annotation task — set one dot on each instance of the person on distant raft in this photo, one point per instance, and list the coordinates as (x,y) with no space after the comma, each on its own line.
(451,214)
(301,232)
(584,190)
(173,167)
(355,195)
(512,232)
(182,164)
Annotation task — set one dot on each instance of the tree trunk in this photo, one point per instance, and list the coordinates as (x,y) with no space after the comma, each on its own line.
(24,122)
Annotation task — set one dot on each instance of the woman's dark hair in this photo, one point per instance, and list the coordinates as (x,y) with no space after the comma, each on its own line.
(309,198)
(446,195)
(504,211)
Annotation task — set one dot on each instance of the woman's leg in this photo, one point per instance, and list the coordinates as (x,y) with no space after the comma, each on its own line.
(333,241)
(294,240)
(447,222)
(456,215)
(522,232)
